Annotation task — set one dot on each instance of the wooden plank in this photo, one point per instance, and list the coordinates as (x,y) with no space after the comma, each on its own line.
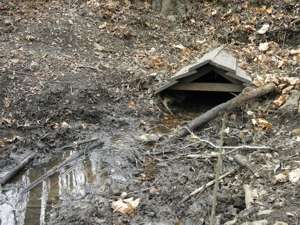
(166,86)
(225,60)
(234,76)
(223,74)
(199,73)
(207,58)
(183,75)
(216,87)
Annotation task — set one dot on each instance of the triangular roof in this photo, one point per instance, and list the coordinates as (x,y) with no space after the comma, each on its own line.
(219,59)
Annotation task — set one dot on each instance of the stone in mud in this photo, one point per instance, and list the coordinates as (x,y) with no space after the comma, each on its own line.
(296,132)
(292,104)
(294,176)
(34,66)
(149,138)
(257,222)
(8,22)
(280,223)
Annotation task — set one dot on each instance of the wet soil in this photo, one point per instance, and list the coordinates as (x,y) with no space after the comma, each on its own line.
(75,70)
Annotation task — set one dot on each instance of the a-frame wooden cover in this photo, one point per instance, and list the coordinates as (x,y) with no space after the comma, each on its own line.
(218,58)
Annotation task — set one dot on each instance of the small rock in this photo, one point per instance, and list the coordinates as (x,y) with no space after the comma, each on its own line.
(34,66)
(171,18)
(264,28)
(149,138)
(280,223)
(30,38)
(263,46)
(257,222)
(278,204)
(280,178)
(124,194)
(7,22)
(294,176)
(264,212)
(98,47)
(296,132)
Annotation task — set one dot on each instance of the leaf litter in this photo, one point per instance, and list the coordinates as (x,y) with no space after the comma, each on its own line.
(53,96)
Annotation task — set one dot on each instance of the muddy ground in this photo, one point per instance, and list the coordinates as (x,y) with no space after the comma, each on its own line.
(76,70)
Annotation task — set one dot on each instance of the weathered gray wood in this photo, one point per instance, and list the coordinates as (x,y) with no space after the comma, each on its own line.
(10,174)
(207,58)
(199,73)
(183,75)
(214,87)
(166,86)
(225,61)
(223,74)
(219,60)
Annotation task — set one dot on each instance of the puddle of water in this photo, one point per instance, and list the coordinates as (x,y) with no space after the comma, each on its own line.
(71,182)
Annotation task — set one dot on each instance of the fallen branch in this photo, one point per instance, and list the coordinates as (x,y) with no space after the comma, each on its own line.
(234,148)
(76,143)
(224,107)
(207,185)
(16,169)
(55,169)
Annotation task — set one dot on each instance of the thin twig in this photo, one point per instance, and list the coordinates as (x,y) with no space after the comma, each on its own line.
(217,176)
(234,148)
(76,143)
(87,67)
(207,185)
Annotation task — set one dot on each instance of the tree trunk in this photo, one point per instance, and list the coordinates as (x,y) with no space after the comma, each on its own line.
(169,7)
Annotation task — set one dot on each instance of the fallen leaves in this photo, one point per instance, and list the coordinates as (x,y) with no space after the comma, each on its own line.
(291,176)
(157,62)
(126,206)
(279,101)
(262,123)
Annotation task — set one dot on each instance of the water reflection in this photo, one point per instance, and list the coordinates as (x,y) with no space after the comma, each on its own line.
(70,182)
(13,204)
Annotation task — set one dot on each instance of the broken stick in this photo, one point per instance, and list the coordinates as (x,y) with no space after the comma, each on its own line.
(15,170)
(207,185)
(226,106)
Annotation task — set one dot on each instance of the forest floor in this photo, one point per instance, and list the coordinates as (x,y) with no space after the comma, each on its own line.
(72,71)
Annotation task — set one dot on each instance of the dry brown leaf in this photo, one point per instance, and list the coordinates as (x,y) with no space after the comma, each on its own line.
(7,102)
(280,178)
(185,54)
(287,89)
(280,100)
(157,62)
(131,104)
(126,206)
(262,123)
(102,26)
(2,143)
